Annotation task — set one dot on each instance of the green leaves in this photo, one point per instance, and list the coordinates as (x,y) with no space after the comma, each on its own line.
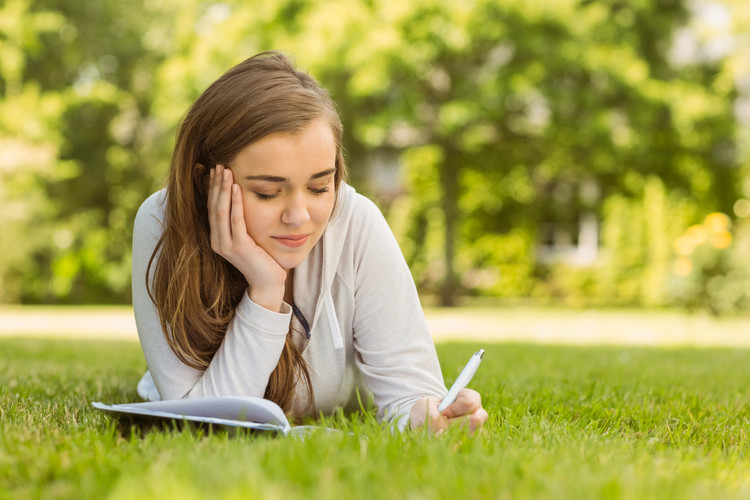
(542,113)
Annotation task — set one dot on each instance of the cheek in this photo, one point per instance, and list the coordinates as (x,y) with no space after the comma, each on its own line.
(322,210)
(259,217)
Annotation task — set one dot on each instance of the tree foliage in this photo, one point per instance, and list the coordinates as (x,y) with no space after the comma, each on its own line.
(505,122)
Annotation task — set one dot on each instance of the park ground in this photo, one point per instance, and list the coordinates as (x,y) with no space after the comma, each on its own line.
(467,324)
(660,412)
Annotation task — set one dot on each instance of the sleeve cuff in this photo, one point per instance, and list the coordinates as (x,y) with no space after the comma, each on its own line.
(262,319)
(404,422)
(401,419)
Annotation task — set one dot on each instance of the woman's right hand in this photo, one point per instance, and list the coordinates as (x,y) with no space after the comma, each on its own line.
(229,238)
(465,410)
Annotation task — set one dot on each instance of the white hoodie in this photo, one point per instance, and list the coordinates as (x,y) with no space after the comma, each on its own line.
(367,328)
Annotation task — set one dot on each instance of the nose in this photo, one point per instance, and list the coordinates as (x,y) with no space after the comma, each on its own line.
(295,212)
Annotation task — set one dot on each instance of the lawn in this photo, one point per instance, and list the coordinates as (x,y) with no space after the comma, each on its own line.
(565,422)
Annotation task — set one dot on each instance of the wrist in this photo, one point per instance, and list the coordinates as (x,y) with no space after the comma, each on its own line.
(268,298)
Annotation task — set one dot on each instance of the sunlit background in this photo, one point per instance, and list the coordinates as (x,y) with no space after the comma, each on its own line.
(581,153)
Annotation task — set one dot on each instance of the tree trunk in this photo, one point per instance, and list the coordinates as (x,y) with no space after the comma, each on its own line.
(449,179)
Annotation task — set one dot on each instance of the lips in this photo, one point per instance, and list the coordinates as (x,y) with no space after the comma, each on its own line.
(292,240)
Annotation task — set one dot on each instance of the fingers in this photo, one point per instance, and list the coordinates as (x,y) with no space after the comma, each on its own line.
(239,229)
(436,422)
(215,178)
(467,409)
(219,209)
(226,213)
(475,420)
(468,401)
(425,412)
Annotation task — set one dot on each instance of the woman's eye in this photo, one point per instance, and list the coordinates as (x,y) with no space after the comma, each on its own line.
(265,196)
(318,190)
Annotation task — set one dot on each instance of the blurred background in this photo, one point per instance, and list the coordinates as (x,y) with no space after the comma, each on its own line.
(586,153)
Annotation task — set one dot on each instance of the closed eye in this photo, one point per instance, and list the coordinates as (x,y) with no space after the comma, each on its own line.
(265,196)
(318,190)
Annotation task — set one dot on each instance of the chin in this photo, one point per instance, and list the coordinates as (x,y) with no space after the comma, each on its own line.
(287,263)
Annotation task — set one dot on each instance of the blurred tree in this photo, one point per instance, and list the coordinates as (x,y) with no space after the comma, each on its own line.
(85,71)
(30,145)
(527,116)
(507,120)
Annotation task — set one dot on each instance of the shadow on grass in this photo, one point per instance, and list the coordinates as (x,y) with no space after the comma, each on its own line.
(129,426)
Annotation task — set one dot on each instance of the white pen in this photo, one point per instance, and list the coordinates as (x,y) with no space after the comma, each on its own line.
(462,380)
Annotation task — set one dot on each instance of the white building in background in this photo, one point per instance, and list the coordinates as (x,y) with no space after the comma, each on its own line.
(578,250)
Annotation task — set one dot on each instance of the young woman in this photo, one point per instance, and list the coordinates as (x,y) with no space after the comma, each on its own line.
(258,271)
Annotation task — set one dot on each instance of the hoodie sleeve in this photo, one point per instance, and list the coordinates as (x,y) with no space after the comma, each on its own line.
(393,346)
(247,356)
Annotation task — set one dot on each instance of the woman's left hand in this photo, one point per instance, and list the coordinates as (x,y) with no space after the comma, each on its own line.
(466,409)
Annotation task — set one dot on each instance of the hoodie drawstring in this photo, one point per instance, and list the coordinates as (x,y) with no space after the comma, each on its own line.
(338,340)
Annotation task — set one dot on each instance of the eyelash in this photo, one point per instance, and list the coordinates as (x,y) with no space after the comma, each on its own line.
(267,197)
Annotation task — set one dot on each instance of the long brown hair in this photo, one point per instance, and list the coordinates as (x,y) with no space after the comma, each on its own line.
(195,290)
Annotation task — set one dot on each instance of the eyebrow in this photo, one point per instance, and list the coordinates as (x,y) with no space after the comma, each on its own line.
(274,178)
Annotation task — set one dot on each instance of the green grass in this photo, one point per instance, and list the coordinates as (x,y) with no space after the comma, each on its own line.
(565,422)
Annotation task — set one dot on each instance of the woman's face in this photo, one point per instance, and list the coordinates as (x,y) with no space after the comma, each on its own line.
(287,183)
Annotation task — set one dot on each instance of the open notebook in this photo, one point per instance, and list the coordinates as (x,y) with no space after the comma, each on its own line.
(248,412)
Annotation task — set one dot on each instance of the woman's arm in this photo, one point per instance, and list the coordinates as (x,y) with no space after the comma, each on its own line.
(248,354)
(394,347)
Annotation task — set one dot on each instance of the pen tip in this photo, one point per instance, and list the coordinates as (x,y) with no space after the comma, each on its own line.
(480,353)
